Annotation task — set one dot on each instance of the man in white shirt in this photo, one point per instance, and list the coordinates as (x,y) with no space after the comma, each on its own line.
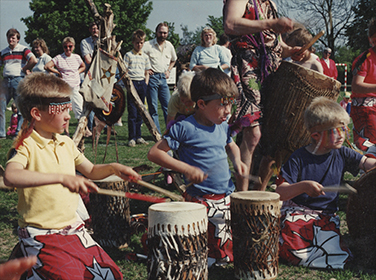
(162,58)
(88,44)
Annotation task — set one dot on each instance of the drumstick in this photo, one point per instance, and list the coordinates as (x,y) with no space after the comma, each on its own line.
(343,189)
(171,195)
(137,196)
(307,46)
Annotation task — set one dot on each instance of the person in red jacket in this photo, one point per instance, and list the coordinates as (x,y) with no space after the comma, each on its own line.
(328,64)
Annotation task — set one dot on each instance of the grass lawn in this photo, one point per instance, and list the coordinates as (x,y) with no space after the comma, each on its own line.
(137,269)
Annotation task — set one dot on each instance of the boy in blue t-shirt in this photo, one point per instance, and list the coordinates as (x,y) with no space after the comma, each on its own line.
(203,142)
(310,228)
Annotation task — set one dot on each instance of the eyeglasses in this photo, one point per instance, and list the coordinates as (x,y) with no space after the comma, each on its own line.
(68,47)
(225,100)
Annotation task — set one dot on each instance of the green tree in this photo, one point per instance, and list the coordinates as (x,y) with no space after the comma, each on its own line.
(53,20)
(356,32)
(332,16)
(217,24)
(194,37)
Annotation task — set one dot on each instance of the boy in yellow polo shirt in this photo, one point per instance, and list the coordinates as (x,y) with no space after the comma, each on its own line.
(43,169)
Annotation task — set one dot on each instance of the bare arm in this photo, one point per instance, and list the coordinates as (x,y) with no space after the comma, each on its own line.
(167,73)
(30,64)
(367,163)
(158,154)
(88,59)
(199,68)
(81,68)
(235,24)
(50,67)
(101,171)
(288,191)
(16,176)
(233,153)
(359,86)
(147,76)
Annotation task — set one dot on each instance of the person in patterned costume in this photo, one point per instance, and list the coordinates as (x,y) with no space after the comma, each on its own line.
(42,166)
(363,105)
(310,233)
(257,50)
(203,144)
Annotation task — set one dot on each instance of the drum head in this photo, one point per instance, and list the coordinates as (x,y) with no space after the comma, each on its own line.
(117,107)
(255,196)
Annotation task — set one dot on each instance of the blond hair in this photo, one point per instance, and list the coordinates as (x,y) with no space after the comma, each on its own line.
(36,87)
(323,114)
(212,81)
(139,34)
(299,37)
(184,84)
(69,40)
(208,30)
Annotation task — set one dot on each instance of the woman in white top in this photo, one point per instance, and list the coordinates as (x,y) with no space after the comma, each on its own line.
(41,51)
(208,54)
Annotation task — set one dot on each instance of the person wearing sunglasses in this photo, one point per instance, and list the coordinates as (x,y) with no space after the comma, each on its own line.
(330,68)
(68,66)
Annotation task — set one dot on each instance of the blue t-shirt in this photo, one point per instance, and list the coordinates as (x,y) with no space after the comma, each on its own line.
(327,169)
(203,147)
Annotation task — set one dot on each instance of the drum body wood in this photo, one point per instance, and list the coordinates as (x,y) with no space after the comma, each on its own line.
(285,96)
(177,241)
(111,214)
(255,222)
(361,220)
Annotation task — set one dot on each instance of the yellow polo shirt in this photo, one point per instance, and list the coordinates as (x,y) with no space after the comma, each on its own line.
(48,206)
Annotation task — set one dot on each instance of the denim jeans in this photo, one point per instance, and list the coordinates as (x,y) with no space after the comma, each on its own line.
(134,117)
(158,90)
(9,91)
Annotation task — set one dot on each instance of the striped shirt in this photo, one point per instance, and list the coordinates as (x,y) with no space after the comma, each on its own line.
(14,60)
(68,67)
(137,64)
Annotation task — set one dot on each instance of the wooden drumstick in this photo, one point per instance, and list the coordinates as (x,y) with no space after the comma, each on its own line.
(171,195)
(314,39)
(129,195)
(343,189)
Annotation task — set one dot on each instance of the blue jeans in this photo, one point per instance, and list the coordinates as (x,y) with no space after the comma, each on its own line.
(158,90)
(9,91)
(134,117)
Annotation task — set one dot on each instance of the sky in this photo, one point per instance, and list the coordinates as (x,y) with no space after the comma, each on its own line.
(193,13)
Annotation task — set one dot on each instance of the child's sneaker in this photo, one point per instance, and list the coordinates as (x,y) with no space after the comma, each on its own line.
(142,141)
(132,143)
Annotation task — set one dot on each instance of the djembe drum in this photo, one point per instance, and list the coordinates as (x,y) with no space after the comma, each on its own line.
(361,219)
(177,241)
(111,214)
(285,96)
(255,222)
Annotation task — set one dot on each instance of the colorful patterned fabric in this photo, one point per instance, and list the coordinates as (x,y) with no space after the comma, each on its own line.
(364,129)
(69,253)
(254,56)
(219,226)
(311,238)
(363,106)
